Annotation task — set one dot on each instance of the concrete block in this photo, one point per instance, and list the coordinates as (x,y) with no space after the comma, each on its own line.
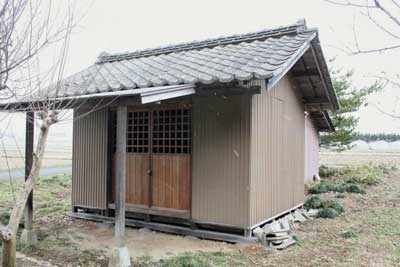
(299,217)
(28,237)
(119,258)
(259,233)
(289,242)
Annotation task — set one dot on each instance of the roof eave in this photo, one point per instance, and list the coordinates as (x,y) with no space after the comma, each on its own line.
(324,73)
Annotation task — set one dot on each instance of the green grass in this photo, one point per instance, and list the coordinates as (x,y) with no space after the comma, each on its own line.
(369,174)
(205,260)
(348,234)
(51,196)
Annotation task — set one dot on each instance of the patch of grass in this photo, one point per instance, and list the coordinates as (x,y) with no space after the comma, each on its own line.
(142,260)
(369,174)
(340,196)
(299,242)
(348,234)
(204,260)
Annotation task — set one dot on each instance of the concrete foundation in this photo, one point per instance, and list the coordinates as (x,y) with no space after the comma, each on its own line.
(119,258)
(28,237)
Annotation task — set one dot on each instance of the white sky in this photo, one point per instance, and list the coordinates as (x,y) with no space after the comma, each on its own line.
(126,25)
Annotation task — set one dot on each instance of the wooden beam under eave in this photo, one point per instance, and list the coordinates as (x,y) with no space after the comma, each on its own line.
(305,73)
(120,169)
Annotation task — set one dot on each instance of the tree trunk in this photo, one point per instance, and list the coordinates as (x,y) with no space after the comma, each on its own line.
(9,233)
(9,252)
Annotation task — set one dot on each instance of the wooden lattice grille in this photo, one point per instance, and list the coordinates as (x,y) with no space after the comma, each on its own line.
(171,131)
(138,132)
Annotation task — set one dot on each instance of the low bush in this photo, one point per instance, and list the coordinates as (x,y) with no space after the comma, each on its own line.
(328,208)
(327,213)
(325,187)
(340,196)
(326,172)
(314,202)
(330,204)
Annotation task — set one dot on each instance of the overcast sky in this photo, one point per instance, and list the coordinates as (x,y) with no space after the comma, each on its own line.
(120,26)
(126,25)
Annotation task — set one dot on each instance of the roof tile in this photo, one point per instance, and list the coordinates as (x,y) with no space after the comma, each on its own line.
(242,57)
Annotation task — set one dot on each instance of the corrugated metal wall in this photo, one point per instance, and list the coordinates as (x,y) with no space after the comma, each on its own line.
(220,159)
(276,151)
(89,164)
(311,150)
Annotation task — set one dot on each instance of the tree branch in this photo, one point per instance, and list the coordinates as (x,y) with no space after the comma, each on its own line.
(389,14)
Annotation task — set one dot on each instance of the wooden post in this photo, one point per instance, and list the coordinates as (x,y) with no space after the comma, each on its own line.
(29,135)
(120,176)
(120,255)
(28,235)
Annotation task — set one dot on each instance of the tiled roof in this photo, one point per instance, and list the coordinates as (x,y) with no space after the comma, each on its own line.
(260,55)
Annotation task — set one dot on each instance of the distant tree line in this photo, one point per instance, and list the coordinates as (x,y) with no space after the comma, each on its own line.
(378,137)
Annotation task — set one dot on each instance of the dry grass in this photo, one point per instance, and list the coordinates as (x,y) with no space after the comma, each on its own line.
(367,234)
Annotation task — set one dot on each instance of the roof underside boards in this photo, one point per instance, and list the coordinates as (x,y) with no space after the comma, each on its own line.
(322,121)
(147,95)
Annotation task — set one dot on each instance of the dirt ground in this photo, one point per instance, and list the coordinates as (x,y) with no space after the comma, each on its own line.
(140,242)
(372,218)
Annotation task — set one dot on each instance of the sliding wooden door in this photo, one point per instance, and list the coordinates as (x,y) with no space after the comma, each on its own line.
(158,161)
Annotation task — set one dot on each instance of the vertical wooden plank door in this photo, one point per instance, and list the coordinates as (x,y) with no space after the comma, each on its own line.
(171,148)
(138,157)
(158,161)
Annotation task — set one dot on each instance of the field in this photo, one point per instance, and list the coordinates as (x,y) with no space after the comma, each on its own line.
(366,234)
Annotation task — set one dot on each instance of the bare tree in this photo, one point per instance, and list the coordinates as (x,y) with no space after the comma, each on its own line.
(27,29)
(384,17)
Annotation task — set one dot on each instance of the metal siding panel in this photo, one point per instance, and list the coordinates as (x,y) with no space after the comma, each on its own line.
(311,150)
(89,164)
(220,160)
(276,151)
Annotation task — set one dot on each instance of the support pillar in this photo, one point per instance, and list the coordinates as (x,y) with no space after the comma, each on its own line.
(28,235)
(120,255)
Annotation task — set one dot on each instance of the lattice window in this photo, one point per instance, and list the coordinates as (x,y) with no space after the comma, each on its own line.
(172,131)
(138,132)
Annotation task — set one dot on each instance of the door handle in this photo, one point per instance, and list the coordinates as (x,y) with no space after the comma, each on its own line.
(149,172)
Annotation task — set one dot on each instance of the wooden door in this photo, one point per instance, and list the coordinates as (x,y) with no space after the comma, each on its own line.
(158,161)
(171,147)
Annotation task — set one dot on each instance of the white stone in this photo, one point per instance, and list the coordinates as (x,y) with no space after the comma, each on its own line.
(259,233)
(119,258)
(28,237)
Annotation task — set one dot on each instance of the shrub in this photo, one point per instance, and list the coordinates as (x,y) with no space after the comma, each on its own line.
(340,196)
(328,213)
(321,188)
(353,188)
(340,188)
(330,204)
(314,202)
(348,234)
(326,172)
